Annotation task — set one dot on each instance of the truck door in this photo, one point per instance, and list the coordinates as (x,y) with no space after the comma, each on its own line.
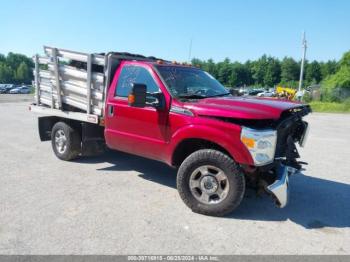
(140,131)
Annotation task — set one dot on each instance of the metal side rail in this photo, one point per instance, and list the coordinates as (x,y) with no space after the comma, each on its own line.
(65,114)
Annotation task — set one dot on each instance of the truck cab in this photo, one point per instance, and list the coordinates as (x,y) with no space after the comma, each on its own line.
(182,116)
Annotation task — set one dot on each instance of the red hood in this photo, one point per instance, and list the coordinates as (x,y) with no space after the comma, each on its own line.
(242,107)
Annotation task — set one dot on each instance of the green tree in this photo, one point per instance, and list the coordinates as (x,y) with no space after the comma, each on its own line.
(239,76)
(345,60)
(224,71)
(272,74)
(6,73)
(249,68)
(211,68)
(197,62)
(16,68)
(289,70)
(342,77)
(266,71)
(14,60)
(258,70)
(2,58)
(313,73)
(23,74)
(328,68)
(269,71)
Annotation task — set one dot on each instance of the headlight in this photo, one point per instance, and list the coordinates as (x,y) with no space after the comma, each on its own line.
(260,143)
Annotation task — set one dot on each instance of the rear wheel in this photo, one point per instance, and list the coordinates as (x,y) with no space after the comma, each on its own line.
(66,141)
(210,183)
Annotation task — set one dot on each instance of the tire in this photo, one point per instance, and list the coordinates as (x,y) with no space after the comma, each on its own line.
(195,182)
(65,141)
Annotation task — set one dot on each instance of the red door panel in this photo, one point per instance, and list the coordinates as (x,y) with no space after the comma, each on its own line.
(141,131)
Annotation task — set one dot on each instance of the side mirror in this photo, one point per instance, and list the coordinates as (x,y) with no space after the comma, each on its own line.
(137,96)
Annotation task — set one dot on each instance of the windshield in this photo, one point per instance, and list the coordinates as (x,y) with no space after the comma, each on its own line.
(191,83)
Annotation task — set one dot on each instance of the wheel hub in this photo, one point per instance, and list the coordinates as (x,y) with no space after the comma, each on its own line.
(60,141)
(209,184)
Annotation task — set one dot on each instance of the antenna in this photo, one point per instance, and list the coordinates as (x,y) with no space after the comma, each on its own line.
(190,51)
(302,62)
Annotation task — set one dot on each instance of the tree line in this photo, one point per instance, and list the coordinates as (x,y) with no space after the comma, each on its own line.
(16,69)
(268,71)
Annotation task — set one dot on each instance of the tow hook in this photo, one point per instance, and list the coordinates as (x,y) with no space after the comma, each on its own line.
(279,189)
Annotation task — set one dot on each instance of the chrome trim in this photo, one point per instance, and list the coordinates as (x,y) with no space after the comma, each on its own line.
(180,110)
(279,189)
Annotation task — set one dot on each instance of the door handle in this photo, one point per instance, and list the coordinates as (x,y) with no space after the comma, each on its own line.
(110,110)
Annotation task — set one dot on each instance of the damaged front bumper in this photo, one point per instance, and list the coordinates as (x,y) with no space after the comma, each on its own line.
(280,188)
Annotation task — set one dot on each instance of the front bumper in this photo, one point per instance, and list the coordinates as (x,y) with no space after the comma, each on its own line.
(280,188)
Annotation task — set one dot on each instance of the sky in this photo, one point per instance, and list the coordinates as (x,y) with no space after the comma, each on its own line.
(240,30)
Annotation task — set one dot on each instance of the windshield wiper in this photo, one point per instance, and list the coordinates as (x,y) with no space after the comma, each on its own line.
(193,96)
(196,96)
(225,94)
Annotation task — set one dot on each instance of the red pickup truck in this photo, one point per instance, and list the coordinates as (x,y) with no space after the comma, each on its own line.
(174,113)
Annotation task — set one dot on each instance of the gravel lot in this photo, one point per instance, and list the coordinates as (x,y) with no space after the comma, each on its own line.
(122,204)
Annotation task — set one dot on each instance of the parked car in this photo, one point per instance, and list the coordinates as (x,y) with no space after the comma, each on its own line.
(14,91)
(20,90)
(9,88)
(266,94)
(254,92)
(5,88)
(173,113)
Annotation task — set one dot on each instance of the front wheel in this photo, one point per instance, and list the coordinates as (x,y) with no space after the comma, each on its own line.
(210,183)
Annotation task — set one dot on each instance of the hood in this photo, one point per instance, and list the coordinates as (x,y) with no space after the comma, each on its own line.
(242,107)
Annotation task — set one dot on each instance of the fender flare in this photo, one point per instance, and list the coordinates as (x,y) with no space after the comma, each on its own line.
(229,141)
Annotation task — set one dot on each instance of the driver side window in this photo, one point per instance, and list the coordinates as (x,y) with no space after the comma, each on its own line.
(131,74)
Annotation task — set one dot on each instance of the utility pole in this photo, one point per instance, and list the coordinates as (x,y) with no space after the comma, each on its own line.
(190,51)
(302,63)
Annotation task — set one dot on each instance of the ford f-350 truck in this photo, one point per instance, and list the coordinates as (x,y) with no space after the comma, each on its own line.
(174,113)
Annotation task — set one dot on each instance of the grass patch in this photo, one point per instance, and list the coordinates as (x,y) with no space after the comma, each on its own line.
(330,107)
